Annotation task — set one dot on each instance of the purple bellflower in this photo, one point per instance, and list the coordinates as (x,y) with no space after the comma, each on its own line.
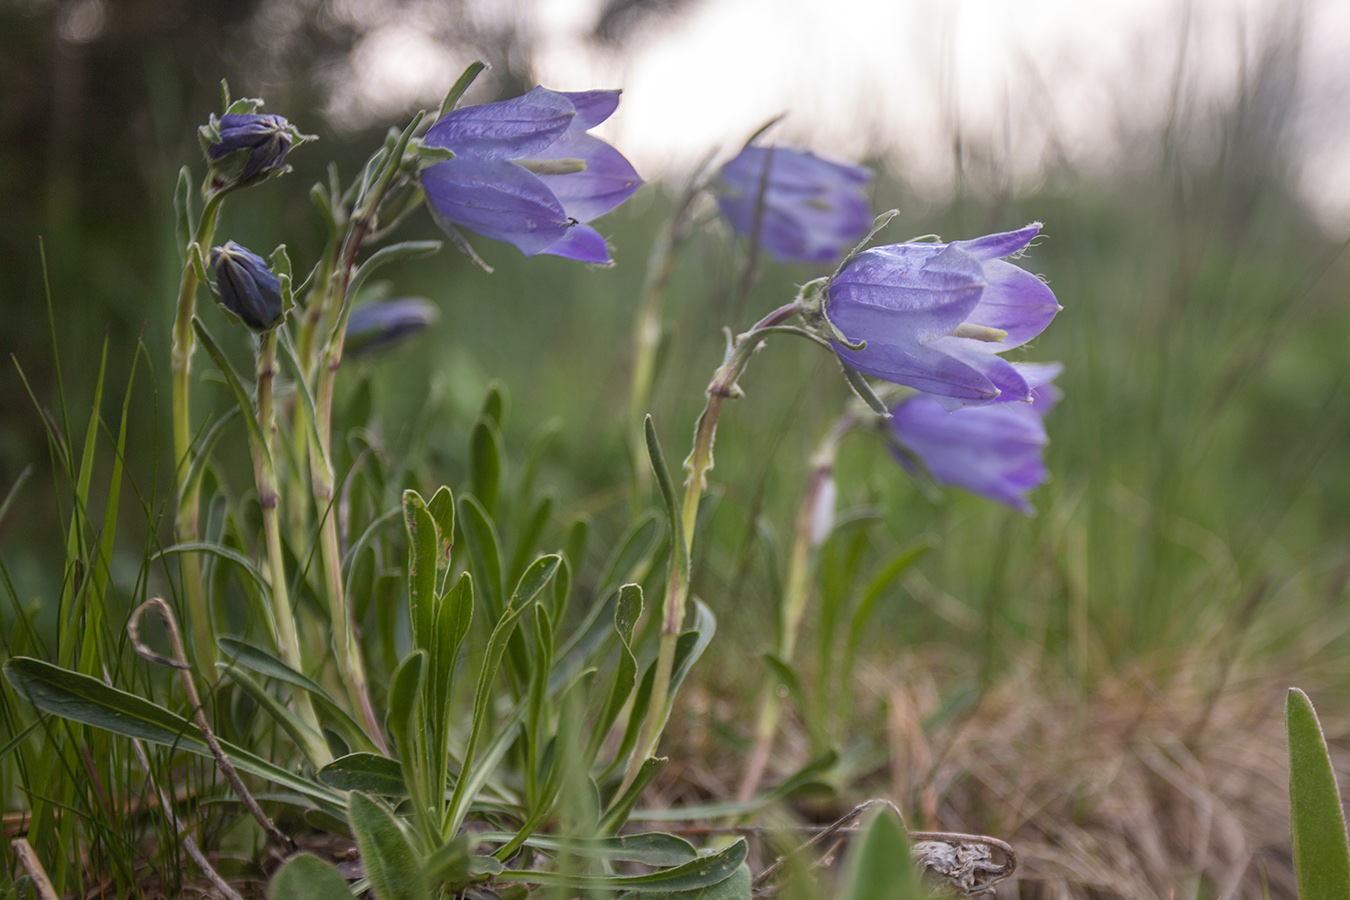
(247,286)
(814,210)
(267,138)
(936,316)
(526,172)
(994,450)
(375,326)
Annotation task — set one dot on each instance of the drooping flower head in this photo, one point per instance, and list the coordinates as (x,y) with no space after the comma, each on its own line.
(247,286)
(994,450)
(814,210)
(266,139)
(936,316)
(526,172)
(375,326)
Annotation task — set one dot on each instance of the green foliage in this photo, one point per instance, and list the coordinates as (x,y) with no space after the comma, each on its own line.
(1316,817)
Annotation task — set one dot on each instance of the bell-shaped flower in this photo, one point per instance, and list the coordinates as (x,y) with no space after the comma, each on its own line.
(526,172)
(375,326)
(247,286)
(994,451)
(814,210)
(261,141)
(936,316)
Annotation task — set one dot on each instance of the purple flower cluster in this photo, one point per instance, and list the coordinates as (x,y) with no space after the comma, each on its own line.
(935,317)
(527,173)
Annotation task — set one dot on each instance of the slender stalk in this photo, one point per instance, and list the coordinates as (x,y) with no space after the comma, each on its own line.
(186,524)
(288,642)
(700,462)
(807,537)
(346,650)
(647,328)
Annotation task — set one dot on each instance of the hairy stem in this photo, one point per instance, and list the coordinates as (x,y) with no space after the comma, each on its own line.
(186,524)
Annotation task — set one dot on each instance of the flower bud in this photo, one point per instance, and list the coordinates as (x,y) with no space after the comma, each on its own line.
(375,326)
(247,287)
(250,145)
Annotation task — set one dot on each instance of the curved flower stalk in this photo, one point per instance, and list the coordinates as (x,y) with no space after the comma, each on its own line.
(994,451)
(935,316)
(526,172)
(796,205)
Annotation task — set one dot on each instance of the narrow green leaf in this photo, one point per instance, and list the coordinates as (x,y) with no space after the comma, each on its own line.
(442,509)
(633,558)
(484,553)
(1316,819)
(240,653)
(699,873)
(525,548)
(405,698)
(449,863)
(224,552)
(626,613)
(460,86)
(368,772)
(783,671)
(737,887)
(495,403)
(301,734)
(306,877)
(81,698)
(424,549)
(392,253)
(184,226)
(879,865)
(241,397)
(391,864)
(652,848)
(679,549)
(617,815)
(485,462)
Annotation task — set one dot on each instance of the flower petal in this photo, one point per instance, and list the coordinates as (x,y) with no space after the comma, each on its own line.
(582,243)
(496,199)
(509,129)
(1011,384)
(905,293)
(607,180)
(1015,301)
(922,368)
(997,246)
(593,107)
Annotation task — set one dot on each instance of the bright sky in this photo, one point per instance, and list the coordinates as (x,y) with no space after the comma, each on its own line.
(899,77)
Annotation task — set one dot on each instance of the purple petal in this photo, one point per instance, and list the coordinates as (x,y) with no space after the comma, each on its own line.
(582,243)
(905,292)
(993,450)
(1044,395)
(1003,375)
(1015,301)
(922,368)
(496,199)
(509,129)
(997,246)
(607,181)
(593,107)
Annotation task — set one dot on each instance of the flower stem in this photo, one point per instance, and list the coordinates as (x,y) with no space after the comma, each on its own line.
(186,523)
(699,463)
(647,328)
(805,542)
(288,641)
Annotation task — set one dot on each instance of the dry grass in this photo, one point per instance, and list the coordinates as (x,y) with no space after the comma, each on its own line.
(1126,791)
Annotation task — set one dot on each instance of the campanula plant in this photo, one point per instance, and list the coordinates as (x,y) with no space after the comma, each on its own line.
(798,206)
(247,286)
(526,172)
(935,317)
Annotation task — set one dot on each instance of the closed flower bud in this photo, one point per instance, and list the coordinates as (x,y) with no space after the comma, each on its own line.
(813,210)
(247,287)
(250,146)
(935,316)
(375,326)
(994,451)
